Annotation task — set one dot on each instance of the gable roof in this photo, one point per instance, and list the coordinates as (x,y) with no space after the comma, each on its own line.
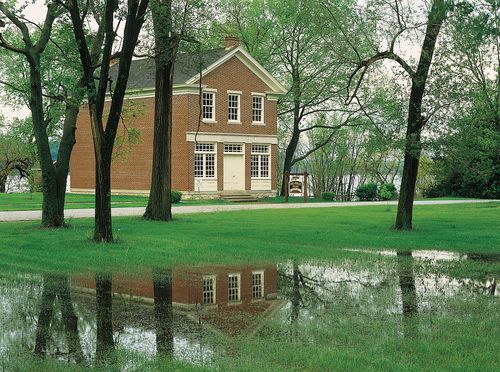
(187,68)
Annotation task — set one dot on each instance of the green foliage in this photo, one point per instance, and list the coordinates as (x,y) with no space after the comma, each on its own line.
(387,191)
(367,191)
(327,195)
(175,196)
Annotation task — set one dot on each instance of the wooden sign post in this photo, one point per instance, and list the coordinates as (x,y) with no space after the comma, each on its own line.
(295,186)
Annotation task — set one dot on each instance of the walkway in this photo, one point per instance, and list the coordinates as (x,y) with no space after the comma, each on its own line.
(138,211)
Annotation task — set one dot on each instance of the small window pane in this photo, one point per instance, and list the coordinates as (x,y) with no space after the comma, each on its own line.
(233,148)
(257,104)
(233,107)
(208,290)
(264,166)
(198,165)
(257,285)
(208,105)
(233,286)
(255,166)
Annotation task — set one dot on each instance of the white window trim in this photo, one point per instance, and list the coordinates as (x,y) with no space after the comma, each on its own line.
(214,94)
(261,272)
(205,160)
(239,287)
(214,280)
(268,153)
(237,94)
(262,122)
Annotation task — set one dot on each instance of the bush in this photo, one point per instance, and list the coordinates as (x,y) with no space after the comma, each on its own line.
(175,196)
(387,191)
(368,191)
(328,195)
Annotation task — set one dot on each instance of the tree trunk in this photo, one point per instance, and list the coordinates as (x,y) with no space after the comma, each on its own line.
(162,287)
(291,148)
(103,229)
(3,184)
(415,121)
(104,317)
(160,204)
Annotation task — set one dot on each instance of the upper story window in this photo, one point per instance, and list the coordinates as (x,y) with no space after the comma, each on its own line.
(209,290)
(233,287)
(257,284)
(204,160)
(208,106)
(233,102)
(259,167)
(257,109)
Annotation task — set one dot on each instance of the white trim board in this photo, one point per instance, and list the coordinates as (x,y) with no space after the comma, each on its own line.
(234,138)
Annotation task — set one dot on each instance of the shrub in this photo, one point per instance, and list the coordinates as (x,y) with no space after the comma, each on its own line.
(367,191)
(327,195)
(387,191)
(176,196)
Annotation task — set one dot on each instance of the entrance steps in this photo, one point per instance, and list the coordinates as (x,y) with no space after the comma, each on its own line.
(238,197)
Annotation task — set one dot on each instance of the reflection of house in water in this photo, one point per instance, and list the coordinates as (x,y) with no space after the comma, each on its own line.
(231,299)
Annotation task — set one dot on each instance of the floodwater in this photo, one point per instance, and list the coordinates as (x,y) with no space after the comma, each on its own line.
(200,316)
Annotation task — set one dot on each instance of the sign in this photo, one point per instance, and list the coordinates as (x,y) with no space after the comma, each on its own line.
(296,185)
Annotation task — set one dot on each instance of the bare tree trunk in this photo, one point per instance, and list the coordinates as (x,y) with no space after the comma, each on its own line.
(415,121)
(104,317)
(160,204)
(162,287)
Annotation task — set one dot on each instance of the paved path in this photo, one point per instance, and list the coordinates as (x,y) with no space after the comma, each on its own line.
(138,211)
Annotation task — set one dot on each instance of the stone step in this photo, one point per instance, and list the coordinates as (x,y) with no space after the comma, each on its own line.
(238,198)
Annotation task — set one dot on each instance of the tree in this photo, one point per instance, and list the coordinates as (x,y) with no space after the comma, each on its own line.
(104,135)
(53,175)
(16,154)
(416,120)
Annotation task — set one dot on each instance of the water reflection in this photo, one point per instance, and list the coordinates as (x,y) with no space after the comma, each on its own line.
(198,314)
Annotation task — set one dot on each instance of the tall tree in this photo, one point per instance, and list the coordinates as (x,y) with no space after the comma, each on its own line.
(416,120)
(104,135)
(166,43)
(32,47)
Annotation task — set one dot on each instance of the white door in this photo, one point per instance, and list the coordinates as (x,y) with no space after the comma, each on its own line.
(234,172)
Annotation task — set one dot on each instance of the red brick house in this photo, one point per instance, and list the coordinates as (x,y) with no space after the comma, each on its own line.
(232,149)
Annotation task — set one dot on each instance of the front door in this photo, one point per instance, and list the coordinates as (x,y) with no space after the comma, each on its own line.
(234,172)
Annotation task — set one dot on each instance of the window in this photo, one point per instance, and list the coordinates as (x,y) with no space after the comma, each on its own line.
(233,287)
(260,161)
(257,284)
(204,160)
(233,107)
(208,106)
(209,290)
(233,148)
(258,109)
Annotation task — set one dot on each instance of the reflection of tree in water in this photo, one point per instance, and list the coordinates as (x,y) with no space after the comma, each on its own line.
(162,287)
(57,286)
(105,344)
(408,292)
(489,285)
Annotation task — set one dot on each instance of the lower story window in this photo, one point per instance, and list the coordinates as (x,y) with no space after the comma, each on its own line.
(233,287)
(208,290)
(204,160)
(260,161)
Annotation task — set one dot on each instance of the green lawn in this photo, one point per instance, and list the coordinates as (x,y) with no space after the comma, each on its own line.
(354,329)
(250,235)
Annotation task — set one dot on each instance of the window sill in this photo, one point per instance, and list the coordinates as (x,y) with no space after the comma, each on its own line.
(231,303)
(260,299)
(233,122)
(259,124)
(207,121)
(204,179)
(261,178)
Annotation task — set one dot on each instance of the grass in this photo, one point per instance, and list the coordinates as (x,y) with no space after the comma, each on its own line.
(352,332)
(267,235)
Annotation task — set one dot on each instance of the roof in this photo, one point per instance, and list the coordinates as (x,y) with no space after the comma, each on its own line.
(187,69)
(187,65)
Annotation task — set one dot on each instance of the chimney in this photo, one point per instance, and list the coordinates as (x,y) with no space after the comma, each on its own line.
(231,42)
